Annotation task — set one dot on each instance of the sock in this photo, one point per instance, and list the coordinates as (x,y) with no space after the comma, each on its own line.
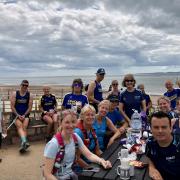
(23,139)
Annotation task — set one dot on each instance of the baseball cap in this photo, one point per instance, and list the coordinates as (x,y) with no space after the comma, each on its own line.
(101,71)
(25,82)
(113,98)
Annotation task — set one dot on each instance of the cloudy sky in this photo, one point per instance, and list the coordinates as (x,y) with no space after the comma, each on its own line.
(75,37)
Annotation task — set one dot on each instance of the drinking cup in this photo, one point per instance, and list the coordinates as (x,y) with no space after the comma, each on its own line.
(124,173)
(123,153)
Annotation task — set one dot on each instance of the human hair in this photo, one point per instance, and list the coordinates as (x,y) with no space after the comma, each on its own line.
(160,115)
(25,81)
(164,98)
(104,102)
(66,112)
(79,81)
(127,77)
(85,109)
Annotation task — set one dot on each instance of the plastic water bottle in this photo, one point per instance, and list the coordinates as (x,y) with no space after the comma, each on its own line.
(136,121)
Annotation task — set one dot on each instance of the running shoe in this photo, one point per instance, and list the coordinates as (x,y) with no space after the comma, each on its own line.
(22,148)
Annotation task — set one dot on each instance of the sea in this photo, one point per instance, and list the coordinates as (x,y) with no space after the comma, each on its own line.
(154,82)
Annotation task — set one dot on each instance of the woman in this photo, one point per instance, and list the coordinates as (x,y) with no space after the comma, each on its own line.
(64,168)
(48,105)
(88,135)
(102,122)
(115,90)
(131,98)
(76,99)
(164,105)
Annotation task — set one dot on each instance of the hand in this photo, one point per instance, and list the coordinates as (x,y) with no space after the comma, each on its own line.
(155,174)
(105,164)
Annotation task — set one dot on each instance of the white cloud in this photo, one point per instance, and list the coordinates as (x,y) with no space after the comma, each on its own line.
(78,36)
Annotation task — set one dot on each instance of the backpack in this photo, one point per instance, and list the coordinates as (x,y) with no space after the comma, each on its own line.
(86,138)
(60,155)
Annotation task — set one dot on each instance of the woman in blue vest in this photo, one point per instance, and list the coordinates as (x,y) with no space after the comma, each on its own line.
(102,122)
(61,168)
(48,106)
(88,135)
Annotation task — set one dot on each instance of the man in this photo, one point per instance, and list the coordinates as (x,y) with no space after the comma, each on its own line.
(171,93)
(94,92)
(163,150)
(21,105)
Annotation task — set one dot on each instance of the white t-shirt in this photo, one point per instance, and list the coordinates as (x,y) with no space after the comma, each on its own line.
(52,148)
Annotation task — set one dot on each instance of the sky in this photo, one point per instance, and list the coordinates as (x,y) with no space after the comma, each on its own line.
(76,37)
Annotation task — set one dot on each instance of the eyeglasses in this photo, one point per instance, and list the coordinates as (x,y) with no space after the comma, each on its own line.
(115,84)
(129,80)
(77,85)
(24,85)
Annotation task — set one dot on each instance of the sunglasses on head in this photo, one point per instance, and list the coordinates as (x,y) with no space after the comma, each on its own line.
(24,85)
(77,85)
(129,80)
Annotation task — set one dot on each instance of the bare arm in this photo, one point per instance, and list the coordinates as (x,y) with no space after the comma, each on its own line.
(121,106)
(94,158)
(153,172)
(116,132)
(13,102)
(90,93)
(47,169)
(29,105)
(143,104)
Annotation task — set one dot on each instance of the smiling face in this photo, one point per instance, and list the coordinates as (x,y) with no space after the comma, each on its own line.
(103,108)
(88,117)
(69,123)
(161,129)
(46,90)
(164,105)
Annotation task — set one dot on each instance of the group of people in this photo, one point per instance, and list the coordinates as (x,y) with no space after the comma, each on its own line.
(88,124)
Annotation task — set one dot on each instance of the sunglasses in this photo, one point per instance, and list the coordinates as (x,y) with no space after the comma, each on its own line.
(129,80)
(115,84)
(25,85)
(77,85)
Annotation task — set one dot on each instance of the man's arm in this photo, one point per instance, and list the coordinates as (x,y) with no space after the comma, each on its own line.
(29,105)
(153,172)
(90,93)
(13,102)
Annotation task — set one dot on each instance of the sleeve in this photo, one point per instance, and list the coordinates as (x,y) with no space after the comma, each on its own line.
(79,133)
(80,142)
(121,98)
(148,150)
(86,100)
(51,149)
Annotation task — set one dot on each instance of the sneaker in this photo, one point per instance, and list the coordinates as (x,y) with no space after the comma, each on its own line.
(27,145)
(22,148)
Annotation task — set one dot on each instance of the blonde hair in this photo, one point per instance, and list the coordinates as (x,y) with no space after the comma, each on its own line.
(164,98)
(85,109)
(104,102)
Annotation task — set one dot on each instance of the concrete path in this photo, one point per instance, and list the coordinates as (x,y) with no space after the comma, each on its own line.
(15,166)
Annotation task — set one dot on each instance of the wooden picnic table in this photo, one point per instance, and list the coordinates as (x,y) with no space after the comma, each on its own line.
(111,154)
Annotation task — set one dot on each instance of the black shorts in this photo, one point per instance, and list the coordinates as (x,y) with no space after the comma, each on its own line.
(13,116)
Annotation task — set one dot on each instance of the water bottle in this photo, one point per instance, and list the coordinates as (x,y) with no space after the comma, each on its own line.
(136,121)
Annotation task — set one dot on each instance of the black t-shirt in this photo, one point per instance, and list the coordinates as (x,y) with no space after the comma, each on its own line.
(165,159)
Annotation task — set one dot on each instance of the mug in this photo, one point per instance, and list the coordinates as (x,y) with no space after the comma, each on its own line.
(124,173)
(123,153)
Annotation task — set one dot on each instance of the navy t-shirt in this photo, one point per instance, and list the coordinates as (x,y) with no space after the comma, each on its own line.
(70,100)
(131,100)
(165,159)
(173,95)
(115,117)
(98,92)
